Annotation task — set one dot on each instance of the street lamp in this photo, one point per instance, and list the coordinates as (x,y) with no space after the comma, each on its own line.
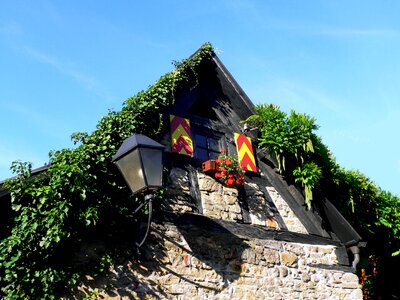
(140,161)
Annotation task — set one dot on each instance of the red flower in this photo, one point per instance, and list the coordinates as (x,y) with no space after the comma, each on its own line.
(228,162)
(228,170)
(230,181)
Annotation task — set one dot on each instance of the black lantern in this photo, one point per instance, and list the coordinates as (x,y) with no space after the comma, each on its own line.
(140,161)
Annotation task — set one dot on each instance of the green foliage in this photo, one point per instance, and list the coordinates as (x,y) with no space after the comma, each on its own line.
(309,175)
(374,213)
(290,139)
(270,120)
(388,209)
(81,192)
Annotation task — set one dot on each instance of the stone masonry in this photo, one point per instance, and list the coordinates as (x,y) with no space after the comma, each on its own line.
(292,223)
(183,261)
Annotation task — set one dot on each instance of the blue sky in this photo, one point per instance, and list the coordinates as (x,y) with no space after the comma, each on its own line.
(63,64)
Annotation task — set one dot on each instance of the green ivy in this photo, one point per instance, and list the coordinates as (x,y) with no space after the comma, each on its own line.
(80,192)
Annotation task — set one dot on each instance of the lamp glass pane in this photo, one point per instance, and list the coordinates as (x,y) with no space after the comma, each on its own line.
(152,165)
(131,169)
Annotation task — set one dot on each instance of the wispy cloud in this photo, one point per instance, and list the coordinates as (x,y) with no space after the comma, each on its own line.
(353,136)
(33,117)
(14,33)
(68,69)
(300,95)
(63,67)
(314,96)
(359,32)
(307,27)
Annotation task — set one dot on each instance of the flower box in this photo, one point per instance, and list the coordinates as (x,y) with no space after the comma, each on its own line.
(225,169)
(209,166)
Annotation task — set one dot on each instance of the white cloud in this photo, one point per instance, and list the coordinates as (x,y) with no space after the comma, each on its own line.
(63,67)
(357,32)
(355,138)
(299,96)
(32,117)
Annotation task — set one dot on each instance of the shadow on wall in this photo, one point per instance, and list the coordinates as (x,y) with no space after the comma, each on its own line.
(214,250)
(188,253)
(183,254)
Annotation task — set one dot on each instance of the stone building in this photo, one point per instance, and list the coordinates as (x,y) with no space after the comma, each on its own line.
(219,242)
(212,241)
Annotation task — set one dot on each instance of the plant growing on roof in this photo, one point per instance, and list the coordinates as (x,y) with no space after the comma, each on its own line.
(289,138)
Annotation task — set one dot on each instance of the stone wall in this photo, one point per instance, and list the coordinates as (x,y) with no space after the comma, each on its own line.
(202,259)
(291,221)
(218,201)
(179,263)
(221,202)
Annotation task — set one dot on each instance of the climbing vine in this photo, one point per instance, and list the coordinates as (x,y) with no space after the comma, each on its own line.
(80,193)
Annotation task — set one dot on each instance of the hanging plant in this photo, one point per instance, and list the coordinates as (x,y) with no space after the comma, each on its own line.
(309,175)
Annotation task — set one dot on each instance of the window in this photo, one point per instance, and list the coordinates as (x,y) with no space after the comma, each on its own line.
(207,146)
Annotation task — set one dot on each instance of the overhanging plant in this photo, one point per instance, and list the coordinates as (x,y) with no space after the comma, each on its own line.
(309,175)
(289,138)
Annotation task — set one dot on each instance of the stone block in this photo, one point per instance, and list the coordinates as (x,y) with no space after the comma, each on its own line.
(235,208)
(217,198)
(236,217)
(271,256)
(350,285)
(283,272)
(289,259)
(224,215)
(337,277)
(271,223)
(339,294)
(230,200)
(208,184)
(305,277)
(355,295)
(169,279)
(350,277)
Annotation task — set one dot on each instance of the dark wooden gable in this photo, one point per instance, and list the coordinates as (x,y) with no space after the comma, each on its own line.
(218,103)
(216,100)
